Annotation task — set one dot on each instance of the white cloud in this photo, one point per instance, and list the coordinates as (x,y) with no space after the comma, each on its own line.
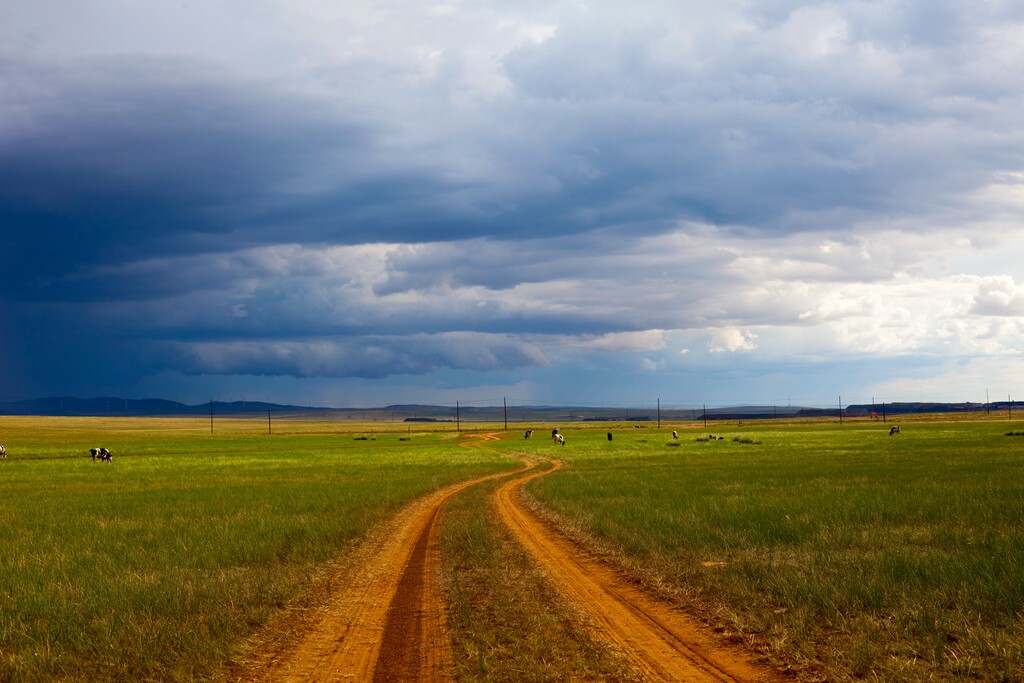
(999,296)
(731,341)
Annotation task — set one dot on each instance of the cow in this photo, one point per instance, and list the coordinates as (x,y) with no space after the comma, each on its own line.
(894,430)
(529,433)
(559,439)
(554,432)
(609,436)
(3,452)
(675,435)
(102,454)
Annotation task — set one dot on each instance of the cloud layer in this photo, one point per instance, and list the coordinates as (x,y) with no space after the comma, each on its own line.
(487,195)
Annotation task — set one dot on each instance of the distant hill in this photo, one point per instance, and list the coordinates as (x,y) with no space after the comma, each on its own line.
(865,410)
(111,406)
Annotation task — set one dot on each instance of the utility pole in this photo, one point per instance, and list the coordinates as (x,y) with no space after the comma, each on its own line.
(840,410)
(504,402)
(659,413)
(883,412)
(269,428)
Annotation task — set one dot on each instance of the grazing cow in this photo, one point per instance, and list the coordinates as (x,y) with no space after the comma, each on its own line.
(559,439)
(895,430)
(3,452)
(675,434)
(609,436)
(94,452)
(554,432)
(529,433)
(102,454)
(712,437)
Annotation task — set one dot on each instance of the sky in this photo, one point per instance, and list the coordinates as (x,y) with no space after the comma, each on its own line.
(371,202)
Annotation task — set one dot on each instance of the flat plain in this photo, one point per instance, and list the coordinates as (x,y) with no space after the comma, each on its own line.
(832,551)
(838,551)
(160,565)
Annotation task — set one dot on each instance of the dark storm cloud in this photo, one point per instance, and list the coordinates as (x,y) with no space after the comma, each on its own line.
(365,357)
(141,158)
(132,159)
(412,188)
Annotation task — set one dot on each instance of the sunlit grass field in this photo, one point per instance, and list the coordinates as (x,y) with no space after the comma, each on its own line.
(839,549)
(157,566)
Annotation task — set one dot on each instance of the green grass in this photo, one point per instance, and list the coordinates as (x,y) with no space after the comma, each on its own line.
(837,549)
(159,565)
(840,551)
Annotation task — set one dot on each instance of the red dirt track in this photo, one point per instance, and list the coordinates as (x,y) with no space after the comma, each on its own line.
(388,624)
(660,641)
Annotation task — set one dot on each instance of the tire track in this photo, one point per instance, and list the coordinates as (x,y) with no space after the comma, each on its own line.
(661,642)
(388,624)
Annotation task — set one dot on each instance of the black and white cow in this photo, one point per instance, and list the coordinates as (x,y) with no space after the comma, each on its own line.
(895,430)
(559,439)
(3,452)
(529,433)
(675,434)
(102,454)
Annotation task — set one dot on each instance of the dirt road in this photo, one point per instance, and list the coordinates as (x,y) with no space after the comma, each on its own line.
(662,642)
(388,623)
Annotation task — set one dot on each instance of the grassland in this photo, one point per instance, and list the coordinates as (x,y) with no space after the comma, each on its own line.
(157,566)
(838,550)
